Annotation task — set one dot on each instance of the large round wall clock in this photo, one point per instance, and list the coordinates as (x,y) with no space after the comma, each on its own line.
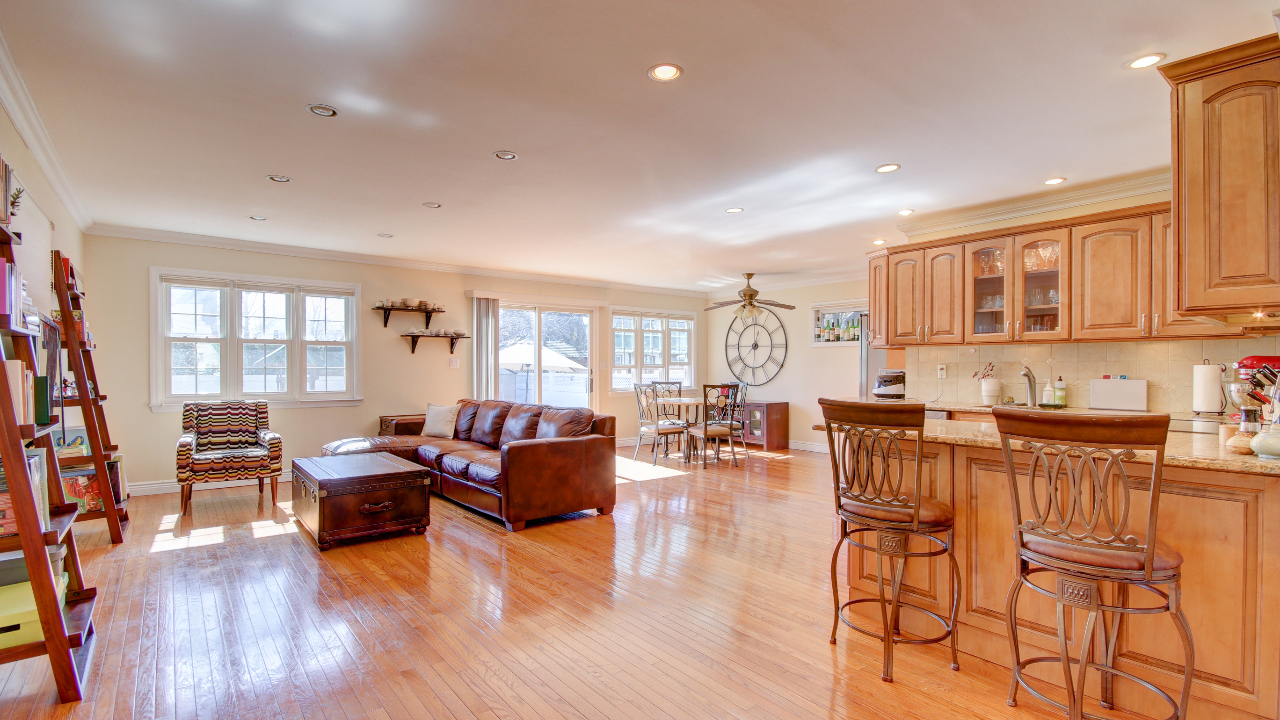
(756,348)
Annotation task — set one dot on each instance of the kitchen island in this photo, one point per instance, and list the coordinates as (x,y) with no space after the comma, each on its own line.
(1221,511)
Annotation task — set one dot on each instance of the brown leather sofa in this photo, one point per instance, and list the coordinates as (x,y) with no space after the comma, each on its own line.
(512,461)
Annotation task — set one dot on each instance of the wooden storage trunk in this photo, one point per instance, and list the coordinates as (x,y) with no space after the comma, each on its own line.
(345,496)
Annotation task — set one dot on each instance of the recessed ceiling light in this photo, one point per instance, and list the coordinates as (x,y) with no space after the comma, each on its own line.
(323,110)
(878,242)
(256,217)
(279,178)
(734,210)
(905,212)
(505,155)
(888,168)
(1147,61)
(1055,181)
(385,235)
(431,205)
(665,72)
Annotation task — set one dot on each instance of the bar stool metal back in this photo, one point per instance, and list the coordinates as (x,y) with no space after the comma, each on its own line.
(875,495)
(1073,519)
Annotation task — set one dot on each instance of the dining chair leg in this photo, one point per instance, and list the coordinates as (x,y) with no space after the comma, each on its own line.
(732,453)
(1188,647)
(655,448)
(639,442)
(1110,635)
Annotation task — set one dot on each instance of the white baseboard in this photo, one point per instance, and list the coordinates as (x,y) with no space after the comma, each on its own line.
(809,446)
(626,442)
(164,487)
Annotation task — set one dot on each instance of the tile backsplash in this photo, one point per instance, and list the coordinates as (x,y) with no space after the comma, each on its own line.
(1164,364)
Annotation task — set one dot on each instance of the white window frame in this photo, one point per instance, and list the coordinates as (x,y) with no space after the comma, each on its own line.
(639,365)
(232,345)
(537,308)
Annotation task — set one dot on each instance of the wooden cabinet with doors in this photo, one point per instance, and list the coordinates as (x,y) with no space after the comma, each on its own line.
(1226,160)
(988,290)
(877,323)
(1166,321)
(1041,269)
(906,298)
(1111,279)
(944,281)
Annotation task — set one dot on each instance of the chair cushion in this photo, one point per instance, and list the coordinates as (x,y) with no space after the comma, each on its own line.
(220,465)
(1166,557)
(485,469)
(490,417)
(662,429)
(430,452)
(712,431)
(564,422)
(521,423)
(466,419)
(456,463)
(932,512)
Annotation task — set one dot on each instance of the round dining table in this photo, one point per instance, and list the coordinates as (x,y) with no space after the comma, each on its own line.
(687,411)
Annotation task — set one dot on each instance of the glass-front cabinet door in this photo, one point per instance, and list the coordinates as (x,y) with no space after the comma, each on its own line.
(1041,286)
(988,291)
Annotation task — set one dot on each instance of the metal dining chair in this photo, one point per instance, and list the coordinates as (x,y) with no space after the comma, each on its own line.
(719,408)
(874,494)
(671,414)
(651,422)
(1071,496)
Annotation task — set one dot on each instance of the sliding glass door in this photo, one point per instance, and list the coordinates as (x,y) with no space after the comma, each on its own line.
(544,356)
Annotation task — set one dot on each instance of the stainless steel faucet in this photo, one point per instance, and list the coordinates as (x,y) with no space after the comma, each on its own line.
(1031,386)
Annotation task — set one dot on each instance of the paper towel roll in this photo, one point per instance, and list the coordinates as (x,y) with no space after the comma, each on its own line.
(1206,389)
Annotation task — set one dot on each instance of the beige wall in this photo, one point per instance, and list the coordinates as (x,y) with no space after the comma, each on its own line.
(1135,201)
(809,372)
(118,283)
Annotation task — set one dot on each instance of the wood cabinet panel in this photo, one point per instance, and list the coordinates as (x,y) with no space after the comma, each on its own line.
(1111,279)
(1228,187)
(878,300)
(944,294)
(906,298)
(1041,270)
(1166,321)
(988,290)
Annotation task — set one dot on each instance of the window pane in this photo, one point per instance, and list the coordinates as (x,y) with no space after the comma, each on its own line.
(651,323)
(652,348)
(265,368)
(262,316)
(326,318)
(326,368)
(680,324)
(624,348)
(623,378)
(517,378)
(195,312)
(566,359)
(648,375)
(195,369)
(680,373)
(623,322)
(679,346)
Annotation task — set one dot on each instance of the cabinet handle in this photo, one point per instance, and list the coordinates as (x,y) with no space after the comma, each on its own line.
(919,333)
(1155,325)
(1142,323)
(926,333)
(1018,331)
(1007,332)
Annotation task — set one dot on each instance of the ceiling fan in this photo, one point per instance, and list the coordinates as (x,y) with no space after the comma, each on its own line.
(749,309)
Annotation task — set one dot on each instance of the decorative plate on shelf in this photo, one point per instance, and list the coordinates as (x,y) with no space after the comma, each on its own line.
(756,349)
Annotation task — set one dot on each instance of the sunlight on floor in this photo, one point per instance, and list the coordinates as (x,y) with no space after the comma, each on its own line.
(633,471)
(166,540)
(270,528)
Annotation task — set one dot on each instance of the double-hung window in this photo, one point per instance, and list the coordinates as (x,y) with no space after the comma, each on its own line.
(222,337)
(651,347)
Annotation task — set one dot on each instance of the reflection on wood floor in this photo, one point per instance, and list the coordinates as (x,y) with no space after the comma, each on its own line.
(705,595)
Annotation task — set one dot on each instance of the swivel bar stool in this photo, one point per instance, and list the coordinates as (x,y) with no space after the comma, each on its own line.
(1072,519)
(874,495)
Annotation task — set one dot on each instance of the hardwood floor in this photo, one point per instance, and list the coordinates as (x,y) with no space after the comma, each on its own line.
(705,595)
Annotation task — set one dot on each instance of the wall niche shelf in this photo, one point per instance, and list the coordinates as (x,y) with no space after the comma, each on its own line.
(453,341)
(386,313)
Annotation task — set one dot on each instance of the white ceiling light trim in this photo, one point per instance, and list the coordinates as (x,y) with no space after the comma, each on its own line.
(1152,181)
(178,238)
(22,111)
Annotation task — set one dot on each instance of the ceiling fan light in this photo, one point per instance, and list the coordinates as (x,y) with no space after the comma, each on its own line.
(754,312)
(739,311)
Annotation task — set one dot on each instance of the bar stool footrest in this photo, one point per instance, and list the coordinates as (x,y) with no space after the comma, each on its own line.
(899,640)
(1093,666)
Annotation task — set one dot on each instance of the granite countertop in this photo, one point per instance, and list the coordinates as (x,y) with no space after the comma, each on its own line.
(1183,449)
(963,407)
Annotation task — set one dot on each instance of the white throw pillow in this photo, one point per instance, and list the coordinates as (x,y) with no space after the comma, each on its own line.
(440,420)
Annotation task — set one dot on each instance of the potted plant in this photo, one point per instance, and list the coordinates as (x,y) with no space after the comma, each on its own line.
(986,377)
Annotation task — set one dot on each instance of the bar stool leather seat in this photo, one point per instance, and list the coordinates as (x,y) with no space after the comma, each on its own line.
(933,512)
(1166,557)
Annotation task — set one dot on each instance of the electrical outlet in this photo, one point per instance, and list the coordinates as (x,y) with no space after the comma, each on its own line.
(942,372)
(455,363)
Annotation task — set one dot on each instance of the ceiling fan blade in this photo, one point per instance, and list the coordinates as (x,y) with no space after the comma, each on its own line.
(784,306)
(726,303)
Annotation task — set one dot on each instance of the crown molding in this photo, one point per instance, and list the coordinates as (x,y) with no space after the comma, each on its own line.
(209,241)
(22,111)
(787,285)
(1143,183)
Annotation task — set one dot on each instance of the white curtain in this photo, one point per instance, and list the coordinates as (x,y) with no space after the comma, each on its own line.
(485,333)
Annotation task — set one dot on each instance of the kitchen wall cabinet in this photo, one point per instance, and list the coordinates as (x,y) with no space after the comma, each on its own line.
(1226,157)
(906,298)
(1166,321)
(877,323)
(1041,271)
(944,294)
(988,289)
(1111,264)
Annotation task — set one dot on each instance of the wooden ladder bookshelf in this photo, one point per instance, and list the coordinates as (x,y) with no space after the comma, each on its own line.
(68,632)
(89,398)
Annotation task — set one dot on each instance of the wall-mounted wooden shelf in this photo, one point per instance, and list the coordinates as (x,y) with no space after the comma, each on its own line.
(386,313)
(453,341)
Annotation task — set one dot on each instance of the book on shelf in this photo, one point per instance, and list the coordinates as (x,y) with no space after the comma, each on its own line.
(78,484)
(22,390)
(38,477)
(69,273)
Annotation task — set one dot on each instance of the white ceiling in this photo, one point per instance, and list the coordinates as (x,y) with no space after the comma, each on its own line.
(168,115)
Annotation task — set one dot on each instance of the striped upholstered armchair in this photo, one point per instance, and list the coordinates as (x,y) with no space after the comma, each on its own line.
(226,441)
